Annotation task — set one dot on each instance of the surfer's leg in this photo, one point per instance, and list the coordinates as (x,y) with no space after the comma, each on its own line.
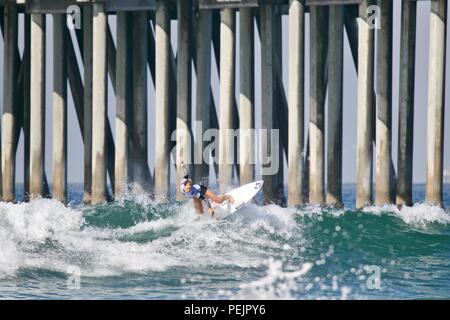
(219,199)
(198,205)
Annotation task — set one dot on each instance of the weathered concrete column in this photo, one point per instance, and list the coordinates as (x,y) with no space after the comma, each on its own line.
(296,101)
(26,107)
(319,31)
(99,103)
(203,108)
(59,108)
(268,98)
(280,99)
(10,70)
(227,86)
(335,107)
(365,125)
(406,103)
(184,74)
(384,104)
(247,97)
(124,102)
(141,174)
(436,102)
(162,101)
(37,105)
(87,101)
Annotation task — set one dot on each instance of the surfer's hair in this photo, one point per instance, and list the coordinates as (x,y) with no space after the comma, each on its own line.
(188,181)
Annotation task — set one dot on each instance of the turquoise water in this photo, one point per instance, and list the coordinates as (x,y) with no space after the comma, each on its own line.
(136,249)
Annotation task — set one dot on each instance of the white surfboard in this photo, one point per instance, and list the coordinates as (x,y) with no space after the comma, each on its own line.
(241,195)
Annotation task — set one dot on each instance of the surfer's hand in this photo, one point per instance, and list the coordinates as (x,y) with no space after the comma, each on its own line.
(211,212)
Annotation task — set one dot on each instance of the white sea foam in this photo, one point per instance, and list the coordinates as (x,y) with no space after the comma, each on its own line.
(418,215)
(317,211)
(9,257)
(45,234)
(26,227)
(276,284)
(423,214)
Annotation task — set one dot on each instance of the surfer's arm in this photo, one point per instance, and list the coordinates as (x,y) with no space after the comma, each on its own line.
(210,208)
(184,168)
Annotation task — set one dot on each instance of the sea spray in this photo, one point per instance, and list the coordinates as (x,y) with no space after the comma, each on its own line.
(136,248)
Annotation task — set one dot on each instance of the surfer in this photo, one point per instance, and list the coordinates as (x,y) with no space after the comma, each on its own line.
(200,193)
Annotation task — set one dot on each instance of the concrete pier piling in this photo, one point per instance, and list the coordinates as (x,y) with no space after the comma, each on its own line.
(8,154)
(162,106)
(279,120)
(319,32)
(203,35)
(436,105)
(99,103)
(59,108)
(260,114)
(141,175)
(87,101)
(227,87)
(296,101)
(247,96)
(26,107)
(124,102)
(384,104)
(335,105)
(184,88)
(267,97)
(365,116)
(37,105)
(406,103)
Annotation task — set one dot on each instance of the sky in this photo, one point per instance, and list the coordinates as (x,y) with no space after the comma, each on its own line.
(75,144)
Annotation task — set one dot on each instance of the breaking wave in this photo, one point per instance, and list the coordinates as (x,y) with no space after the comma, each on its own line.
(260,252)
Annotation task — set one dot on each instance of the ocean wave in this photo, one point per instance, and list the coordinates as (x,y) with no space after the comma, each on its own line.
(146,238)
(44,234)
(420,214)
(9,257)
(26,227)
(276,284)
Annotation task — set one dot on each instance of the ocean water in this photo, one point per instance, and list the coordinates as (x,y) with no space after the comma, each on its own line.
(136,249)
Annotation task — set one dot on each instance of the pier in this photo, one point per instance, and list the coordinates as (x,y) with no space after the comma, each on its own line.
(218,37)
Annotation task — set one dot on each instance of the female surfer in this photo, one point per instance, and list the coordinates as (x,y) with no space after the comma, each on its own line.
(199,192)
